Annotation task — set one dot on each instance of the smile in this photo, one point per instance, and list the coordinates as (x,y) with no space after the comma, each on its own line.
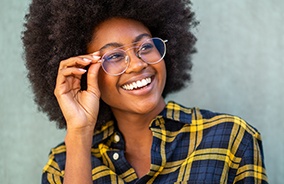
(137,84)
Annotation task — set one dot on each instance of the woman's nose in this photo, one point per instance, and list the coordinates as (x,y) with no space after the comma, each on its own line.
(136,64)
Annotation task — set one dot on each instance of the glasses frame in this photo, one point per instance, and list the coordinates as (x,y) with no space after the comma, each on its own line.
(136,53)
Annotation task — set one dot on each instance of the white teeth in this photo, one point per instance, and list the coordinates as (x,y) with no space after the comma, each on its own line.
(144,82)
(137,84)
(134,85)
(148,80)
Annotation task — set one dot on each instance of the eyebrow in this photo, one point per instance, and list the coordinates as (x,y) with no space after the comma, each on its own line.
(117,45)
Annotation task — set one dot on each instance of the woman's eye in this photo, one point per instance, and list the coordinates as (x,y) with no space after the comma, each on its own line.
(146,47)
(114,57)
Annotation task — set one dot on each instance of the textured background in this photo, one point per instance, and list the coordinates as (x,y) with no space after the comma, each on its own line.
(238,70)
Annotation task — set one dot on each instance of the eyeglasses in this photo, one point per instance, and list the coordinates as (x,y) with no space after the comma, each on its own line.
(115,62)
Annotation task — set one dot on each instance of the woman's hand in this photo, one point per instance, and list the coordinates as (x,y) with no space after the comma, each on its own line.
(80,108)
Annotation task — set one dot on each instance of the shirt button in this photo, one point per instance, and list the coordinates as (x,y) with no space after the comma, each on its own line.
(115,156)
(116,138)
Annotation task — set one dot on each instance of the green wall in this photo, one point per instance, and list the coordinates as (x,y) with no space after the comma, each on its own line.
(238,69)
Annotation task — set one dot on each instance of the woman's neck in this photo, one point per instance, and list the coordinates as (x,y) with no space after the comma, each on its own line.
(136,125)
(138,142)
(138,137)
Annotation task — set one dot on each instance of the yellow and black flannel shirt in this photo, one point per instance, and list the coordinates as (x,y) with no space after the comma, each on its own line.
(189,146)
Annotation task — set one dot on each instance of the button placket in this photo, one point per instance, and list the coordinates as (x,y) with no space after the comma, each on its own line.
(116,138)
(115,156)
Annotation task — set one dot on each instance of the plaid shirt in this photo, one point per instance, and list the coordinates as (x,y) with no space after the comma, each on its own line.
(189,146)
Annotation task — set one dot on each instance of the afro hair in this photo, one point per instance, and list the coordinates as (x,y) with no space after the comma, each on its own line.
(58,29)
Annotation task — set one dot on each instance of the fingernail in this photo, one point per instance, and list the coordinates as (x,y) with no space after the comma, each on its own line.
(87,60)
(96,53)
(96,57)
(81,69)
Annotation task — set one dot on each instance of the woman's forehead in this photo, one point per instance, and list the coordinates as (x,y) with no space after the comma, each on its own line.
(118,31)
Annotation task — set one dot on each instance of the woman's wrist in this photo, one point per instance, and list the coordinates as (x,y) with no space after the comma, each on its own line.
(79,136)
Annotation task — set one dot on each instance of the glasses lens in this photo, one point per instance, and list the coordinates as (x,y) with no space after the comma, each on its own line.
(152,50)
(115,62)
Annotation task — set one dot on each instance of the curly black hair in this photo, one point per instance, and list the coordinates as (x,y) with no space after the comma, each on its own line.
(58,29)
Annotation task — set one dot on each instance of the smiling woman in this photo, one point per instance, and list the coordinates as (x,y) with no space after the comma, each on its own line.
(110,73)
(144,100)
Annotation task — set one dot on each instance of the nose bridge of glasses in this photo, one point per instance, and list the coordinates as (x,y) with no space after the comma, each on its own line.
(132,50)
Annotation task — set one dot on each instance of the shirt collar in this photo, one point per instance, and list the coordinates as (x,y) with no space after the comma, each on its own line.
(172,111)
(104,132)
(177,112)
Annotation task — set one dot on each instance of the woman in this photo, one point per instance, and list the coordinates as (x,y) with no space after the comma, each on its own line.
(110,64)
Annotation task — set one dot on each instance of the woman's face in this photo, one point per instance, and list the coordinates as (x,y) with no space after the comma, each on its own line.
(115,91)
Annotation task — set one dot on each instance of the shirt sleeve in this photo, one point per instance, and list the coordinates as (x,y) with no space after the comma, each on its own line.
(52,171)
(252,168)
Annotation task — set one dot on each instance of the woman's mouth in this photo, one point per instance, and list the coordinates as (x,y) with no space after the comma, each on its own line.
(137,84)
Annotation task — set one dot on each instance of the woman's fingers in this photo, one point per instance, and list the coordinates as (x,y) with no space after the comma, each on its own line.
(71,70)
(77,72)
(71,67)
(92,79)
(92,75)
(79,61)
(75,66)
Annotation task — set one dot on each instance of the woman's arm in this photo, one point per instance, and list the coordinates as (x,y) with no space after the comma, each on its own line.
(80,110)
(78,167)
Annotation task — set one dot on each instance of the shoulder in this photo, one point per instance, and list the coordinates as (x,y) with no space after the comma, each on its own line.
(223,131)
(232,123)
(207,121)
(226,131)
